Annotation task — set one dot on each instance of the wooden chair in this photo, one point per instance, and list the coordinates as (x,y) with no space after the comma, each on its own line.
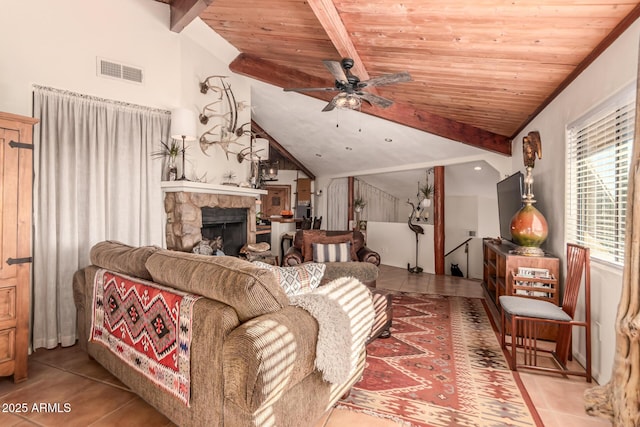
(527,315)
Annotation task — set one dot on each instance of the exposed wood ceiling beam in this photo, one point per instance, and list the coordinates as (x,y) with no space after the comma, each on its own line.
(329,18)
(282,76)
(185,11)
(257,130)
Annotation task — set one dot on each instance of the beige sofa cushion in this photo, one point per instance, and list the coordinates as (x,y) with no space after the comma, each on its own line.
(250,290)
(121,258)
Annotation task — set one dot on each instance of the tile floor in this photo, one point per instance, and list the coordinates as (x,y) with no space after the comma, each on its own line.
(95,398)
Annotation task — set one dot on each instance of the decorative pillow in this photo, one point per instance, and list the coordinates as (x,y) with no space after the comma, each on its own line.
(308,239)
(299,279)
(332,252)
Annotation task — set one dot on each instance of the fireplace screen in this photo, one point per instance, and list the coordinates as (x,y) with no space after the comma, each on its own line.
(228,223)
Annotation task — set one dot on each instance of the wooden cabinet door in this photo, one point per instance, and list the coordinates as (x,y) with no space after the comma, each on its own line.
(16,175)
(303,191)
(9,205)
(277,199)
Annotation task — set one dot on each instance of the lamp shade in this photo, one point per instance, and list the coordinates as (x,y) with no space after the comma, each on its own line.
(183,124)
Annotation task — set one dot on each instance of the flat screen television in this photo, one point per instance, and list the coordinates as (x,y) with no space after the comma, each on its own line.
(510,192)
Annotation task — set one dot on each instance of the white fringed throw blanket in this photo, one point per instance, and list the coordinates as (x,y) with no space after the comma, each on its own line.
(344,312)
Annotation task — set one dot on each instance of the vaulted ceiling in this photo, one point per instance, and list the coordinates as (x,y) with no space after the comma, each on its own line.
(481,70)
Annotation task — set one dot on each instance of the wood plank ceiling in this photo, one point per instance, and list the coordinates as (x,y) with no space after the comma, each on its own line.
(481,69)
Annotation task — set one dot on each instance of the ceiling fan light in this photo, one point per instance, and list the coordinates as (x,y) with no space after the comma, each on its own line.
(347,101)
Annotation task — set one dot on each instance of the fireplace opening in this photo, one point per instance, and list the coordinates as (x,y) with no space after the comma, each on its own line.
(228,223)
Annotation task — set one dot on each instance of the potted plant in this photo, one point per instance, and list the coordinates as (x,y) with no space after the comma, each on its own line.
(427,193)
(171,151)
(359,204)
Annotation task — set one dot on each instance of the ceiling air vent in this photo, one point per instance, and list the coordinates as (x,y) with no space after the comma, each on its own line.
(115,70)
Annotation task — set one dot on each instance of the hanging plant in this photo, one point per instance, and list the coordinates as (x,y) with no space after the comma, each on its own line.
(427,191)
(359,204)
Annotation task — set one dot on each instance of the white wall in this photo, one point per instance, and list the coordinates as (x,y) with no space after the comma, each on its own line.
(200,58)
(56,44)
(396,244)
(488,224)
(465,214)
(614,69)
(461,217)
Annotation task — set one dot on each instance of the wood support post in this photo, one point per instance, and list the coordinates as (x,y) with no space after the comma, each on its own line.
(350,190)
(438,219)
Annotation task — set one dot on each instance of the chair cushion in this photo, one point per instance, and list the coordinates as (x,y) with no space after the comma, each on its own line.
(332,252)
(319,236)
(529,307)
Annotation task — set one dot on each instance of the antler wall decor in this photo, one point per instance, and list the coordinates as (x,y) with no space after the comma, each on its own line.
(227,132)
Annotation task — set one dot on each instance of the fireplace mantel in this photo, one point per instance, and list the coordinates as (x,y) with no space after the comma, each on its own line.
(202,187)
(183,203)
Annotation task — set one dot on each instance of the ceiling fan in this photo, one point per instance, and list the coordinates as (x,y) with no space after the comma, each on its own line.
(350,86)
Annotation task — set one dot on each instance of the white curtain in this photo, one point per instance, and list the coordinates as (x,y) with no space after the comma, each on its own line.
(94,179)
(381,206)
(337,204)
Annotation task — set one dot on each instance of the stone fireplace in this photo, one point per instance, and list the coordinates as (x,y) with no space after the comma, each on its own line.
(184,203)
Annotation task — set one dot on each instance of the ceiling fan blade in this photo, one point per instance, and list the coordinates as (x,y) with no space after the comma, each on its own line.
(331,105)
(387,79)
(336,70)
(310,89)
(375,99)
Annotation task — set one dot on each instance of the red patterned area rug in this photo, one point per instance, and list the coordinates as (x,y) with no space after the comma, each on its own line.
(442,366)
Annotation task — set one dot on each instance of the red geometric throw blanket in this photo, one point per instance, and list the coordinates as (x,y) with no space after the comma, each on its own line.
(147,326)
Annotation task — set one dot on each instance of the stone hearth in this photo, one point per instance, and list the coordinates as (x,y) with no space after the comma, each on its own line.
(183,204)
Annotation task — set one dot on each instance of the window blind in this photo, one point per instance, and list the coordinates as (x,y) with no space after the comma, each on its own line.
(599,150)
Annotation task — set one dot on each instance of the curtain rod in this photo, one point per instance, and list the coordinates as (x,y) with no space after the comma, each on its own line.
(98,99)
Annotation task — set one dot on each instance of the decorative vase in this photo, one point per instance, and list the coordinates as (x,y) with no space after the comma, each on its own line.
(425,203)
(173,169)
(529,229)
